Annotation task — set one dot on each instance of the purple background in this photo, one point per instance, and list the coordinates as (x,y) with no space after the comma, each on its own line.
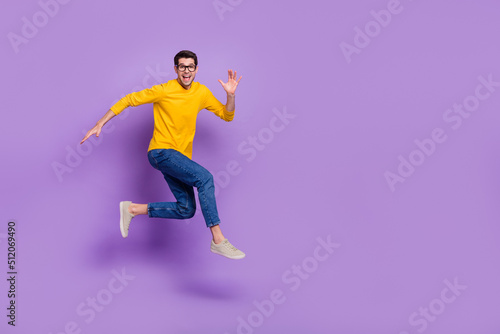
(321,175)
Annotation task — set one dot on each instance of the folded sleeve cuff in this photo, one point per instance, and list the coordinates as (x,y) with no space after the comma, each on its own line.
(119,106)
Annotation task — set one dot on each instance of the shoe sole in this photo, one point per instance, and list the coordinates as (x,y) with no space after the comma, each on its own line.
(122,214)
(239,257)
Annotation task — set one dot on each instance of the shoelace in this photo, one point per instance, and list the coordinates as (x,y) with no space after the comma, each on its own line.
(228,245)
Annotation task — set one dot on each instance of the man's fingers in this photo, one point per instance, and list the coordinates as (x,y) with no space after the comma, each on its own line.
(232,75)
(84,139)
(90,133)
(232,79)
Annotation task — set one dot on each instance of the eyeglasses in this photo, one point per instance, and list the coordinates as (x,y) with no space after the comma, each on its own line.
(182,68)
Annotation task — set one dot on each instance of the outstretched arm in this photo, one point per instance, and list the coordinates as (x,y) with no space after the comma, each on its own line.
(148,95)
(98,127)
(230,88)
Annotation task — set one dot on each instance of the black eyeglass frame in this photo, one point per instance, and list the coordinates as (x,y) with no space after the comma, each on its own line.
(188,68)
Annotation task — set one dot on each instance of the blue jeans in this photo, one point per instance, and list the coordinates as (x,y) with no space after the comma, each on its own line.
(182,174)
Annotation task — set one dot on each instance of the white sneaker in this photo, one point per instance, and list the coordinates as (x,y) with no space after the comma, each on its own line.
(226,249)
(125,217)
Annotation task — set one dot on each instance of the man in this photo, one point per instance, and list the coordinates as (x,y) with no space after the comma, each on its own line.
(176,104)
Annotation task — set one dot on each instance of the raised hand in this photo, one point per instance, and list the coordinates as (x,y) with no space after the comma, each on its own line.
(231,84)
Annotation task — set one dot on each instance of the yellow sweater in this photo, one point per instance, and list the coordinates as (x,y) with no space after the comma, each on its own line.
(175,110)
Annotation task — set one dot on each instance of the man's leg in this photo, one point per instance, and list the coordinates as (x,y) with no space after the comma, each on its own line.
(183,171)
(142,209)
(171,162)
(183,208)
(138,209)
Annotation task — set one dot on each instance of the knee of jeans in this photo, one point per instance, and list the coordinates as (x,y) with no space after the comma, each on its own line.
(207,178)
(188,212)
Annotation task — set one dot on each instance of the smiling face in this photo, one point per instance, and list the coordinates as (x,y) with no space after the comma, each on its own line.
(184,76)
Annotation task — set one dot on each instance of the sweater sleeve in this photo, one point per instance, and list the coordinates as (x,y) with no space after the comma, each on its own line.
(148,95)
(215,106)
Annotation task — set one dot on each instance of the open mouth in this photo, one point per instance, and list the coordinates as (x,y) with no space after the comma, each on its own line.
(186,77)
